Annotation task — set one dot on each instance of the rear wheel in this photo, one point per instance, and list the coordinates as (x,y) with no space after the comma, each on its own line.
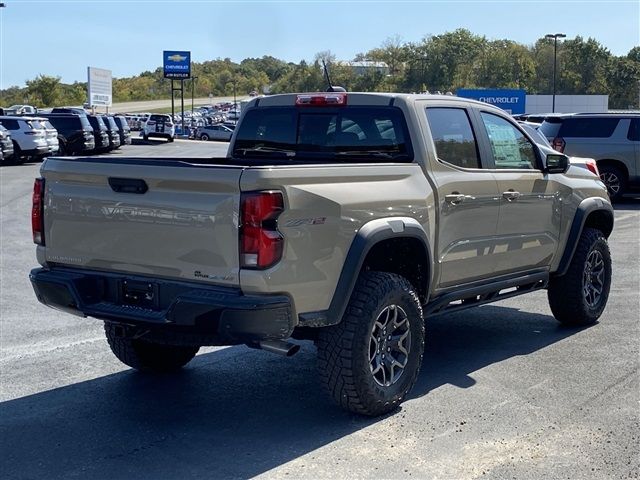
(204,137)
(579,296)
(371,359)
(18,156)
(148,356)
(615,180)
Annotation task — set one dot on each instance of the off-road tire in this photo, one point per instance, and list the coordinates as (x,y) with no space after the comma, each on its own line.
(148,356)
(609,172)
(566,293)
(343,349)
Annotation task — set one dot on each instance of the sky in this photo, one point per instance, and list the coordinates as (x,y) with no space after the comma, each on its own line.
(63,37)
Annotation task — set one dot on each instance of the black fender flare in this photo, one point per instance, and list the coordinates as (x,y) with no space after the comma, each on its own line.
(365,239)
(586,208)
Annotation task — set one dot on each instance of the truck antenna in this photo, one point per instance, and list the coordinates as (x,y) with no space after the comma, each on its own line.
(331,88)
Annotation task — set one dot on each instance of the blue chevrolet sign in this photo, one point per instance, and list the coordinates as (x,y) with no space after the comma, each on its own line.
(176,64)
(513,101)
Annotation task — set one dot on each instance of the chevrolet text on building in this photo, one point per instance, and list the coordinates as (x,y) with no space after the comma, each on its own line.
(511,100)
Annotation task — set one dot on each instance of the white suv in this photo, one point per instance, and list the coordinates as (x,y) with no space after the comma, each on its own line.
(159,125)
(51,134)
(29,138)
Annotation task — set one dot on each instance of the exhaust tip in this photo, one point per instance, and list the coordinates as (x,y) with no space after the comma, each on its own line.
(280,347)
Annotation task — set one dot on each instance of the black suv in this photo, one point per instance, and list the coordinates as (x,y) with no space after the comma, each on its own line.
(75,133)
(100,133)
(123,129)
(114,134)
(612,139)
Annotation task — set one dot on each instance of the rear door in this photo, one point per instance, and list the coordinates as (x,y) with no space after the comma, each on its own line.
(530,200)
(467,196)
(150,217)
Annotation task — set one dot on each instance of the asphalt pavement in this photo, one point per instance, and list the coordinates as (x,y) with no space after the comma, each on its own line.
(504,391)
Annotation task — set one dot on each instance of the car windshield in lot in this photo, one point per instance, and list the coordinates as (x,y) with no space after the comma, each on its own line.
(348,134)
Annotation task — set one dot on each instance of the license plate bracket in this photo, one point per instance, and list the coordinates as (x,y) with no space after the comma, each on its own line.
(139,294)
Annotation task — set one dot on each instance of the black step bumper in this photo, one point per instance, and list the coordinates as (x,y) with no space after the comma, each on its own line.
(219,315)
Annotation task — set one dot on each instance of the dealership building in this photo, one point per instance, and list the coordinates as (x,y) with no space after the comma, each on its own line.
(517,101)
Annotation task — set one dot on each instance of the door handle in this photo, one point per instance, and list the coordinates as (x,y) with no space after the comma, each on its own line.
(455,198)
(510,195)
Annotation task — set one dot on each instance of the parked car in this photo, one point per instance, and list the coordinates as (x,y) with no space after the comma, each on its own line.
(28,137)
(159,126)
(114,134)
(76,110)
(75,133)
(6,145)
(214,132)
(536,135)
(100,133)
(124,130)
(51,134)
(20,110)
(613,140)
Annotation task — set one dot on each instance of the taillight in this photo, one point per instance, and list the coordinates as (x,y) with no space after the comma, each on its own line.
(151,123)
(260,242)
(592,166)
(558,144)
(37,211)
(322,99)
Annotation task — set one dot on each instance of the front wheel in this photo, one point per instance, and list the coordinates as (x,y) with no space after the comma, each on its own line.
(148,356)
(579,296)
(371,359)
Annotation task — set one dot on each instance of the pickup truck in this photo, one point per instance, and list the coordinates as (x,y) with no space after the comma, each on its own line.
(342,218)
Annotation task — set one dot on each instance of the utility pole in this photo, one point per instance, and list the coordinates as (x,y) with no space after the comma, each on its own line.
(555,37)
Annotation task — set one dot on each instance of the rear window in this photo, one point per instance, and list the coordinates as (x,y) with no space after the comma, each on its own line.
(588,127)
(160,118)
(85,122)
(634,130)
(345,134)
(550,127)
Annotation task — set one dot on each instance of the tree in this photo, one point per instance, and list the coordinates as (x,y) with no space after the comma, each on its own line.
(44,90)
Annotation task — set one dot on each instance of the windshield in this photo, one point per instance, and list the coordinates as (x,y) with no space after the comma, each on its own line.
(345,133)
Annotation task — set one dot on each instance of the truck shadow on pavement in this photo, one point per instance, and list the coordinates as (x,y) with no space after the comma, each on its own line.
(232,413)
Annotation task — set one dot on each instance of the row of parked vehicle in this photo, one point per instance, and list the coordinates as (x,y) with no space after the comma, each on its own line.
(612,140)
(61,131)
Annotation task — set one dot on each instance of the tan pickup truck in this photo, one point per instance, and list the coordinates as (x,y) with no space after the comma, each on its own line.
(342,218)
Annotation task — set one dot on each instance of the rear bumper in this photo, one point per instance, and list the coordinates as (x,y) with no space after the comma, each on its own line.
(211,315)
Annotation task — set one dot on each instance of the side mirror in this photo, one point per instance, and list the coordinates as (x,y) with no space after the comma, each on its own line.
(556,163)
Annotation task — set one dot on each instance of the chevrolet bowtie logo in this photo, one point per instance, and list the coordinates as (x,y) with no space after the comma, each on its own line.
(176,58)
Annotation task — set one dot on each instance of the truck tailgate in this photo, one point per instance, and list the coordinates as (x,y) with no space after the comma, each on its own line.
(183,226)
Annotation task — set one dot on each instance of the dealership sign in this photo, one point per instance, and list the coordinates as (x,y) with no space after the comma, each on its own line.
(99,81)
(176,64)
(513,101)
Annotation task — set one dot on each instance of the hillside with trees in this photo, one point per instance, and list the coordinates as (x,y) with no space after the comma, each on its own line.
(458,59)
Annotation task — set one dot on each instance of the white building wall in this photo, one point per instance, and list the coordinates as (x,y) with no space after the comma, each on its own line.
(567,103)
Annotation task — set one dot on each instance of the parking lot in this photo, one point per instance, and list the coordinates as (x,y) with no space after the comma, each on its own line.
(504,391)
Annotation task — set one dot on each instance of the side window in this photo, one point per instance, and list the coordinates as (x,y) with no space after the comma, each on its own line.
(453,137)
(586,127)
(10,124)
(634,130)
(511,149)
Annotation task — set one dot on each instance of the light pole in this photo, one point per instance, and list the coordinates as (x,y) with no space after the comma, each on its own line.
(555,37)
(193,83)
